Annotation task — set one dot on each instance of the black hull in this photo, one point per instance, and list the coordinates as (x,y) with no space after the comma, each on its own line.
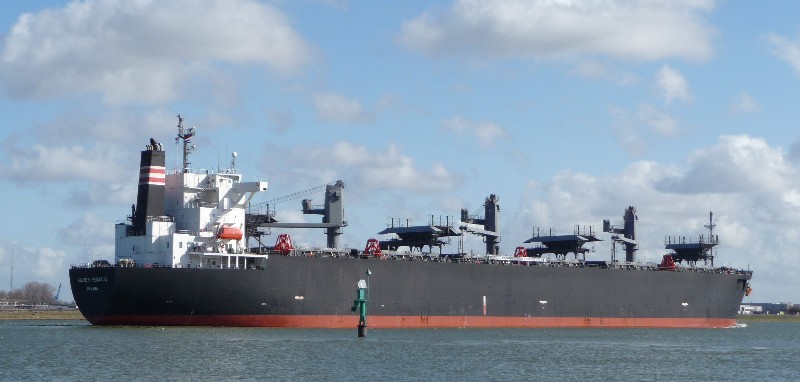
(319,292)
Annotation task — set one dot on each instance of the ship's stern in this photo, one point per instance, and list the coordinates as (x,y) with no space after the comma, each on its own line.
(93,290)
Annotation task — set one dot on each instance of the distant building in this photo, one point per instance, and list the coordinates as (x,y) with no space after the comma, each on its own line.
(11,305)
(748,309)
(764,308)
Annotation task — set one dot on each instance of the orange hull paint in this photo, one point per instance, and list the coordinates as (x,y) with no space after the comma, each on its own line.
(385,322)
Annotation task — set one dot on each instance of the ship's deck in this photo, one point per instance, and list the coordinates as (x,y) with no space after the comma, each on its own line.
(468,258)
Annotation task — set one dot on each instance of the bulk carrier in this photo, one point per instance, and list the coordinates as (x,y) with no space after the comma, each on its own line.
(183,257)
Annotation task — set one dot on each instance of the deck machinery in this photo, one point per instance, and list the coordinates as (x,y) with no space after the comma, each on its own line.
(693,250)
(332,215)
(488,226)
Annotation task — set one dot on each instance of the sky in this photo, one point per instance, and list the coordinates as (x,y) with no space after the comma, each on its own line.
(568,111)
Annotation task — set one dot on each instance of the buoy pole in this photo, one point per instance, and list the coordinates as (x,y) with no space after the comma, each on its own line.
(360,305)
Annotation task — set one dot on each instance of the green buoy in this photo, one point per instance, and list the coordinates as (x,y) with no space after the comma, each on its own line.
(360,305)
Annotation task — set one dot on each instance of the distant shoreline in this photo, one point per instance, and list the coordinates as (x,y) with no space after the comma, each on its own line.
(768,318)
(37,314)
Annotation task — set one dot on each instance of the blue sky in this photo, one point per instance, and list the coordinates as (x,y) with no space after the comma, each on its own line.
(568,111)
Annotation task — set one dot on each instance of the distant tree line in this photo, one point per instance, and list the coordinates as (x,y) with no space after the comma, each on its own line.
(32,293)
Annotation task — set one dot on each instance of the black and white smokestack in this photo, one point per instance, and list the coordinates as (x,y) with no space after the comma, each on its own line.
(152,176)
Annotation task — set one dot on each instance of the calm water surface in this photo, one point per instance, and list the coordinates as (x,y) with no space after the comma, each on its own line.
(75,351)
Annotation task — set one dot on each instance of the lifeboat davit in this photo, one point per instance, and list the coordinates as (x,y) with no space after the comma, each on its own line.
(230,233)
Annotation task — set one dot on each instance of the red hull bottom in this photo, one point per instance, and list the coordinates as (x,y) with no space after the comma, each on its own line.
(309,321)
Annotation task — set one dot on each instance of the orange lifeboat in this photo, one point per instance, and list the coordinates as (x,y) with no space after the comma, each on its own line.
(230,233)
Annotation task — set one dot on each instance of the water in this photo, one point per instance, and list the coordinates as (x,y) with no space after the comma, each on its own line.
(75,351)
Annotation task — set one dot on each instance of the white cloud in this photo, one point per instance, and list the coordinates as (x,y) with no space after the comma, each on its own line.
(625,128)
(488,132)
(786,49)
(49,263)
(745,104)
(747,183)
(142,51)
(739,163)
(646,31)
(88,229)
(628,127)
(366,168)
(78,126)
(41,264)
(794,152)
(485,132)
(456,124)
(101,193)
(672,85)
(64,164)
(661,123)
(391,169)
(334,107)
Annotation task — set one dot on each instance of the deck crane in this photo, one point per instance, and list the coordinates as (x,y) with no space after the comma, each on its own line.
(332,213)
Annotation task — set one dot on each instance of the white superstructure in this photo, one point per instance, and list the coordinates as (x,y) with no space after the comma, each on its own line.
(202,224)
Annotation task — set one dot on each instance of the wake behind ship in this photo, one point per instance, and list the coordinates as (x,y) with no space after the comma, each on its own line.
(184,258)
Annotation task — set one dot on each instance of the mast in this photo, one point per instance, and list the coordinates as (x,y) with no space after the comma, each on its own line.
(187,141)
(710,227)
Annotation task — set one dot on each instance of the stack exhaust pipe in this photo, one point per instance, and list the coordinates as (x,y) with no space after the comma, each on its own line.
(152,185)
